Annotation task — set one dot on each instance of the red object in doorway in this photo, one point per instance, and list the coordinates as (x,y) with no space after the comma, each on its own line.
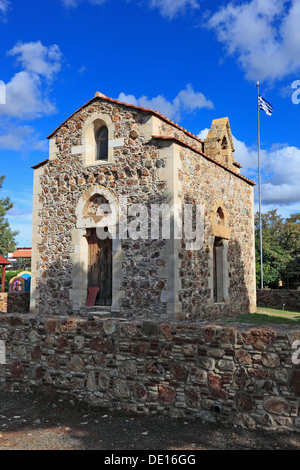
(93,291)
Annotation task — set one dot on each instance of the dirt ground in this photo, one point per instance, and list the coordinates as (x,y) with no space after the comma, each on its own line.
(39,422)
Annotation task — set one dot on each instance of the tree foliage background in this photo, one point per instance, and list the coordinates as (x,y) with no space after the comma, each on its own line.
(7,236)
(280,247)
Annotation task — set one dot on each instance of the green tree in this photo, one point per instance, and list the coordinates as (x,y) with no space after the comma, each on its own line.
(280,246)
(7,236)
(290,241)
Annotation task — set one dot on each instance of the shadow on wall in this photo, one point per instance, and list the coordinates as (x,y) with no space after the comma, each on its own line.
(51,292)
(61,283)
(62,289)
(238,290)
(14,302)
(197,297)
(18,302)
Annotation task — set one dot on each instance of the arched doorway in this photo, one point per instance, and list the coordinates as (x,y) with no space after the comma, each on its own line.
(100,266)
(218,255)
(97,258)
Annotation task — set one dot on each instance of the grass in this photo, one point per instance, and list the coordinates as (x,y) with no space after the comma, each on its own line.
(267,316)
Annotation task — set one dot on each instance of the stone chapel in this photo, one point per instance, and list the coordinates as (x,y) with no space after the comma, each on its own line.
(107,163)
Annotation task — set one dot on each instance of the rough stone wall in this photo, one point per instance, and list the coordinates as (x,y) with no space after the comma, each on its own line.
(277,298)
(14,302)
(3,302)
(145,171)
(219,144)
(167,130)
(134,174)
(203,182)
(178,369)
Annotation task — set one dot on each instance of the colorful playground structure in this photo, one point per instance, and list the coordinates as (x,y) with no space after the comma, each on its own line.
(20,283)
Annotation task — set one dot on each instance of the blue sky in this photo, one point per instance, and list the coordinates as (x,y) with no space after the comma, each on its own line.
(191,60)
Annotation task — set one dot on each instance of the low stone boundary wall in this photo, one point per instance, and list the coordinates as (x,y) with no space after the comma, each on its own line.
(14,302)
(276,298)
(177,369)
(3,302)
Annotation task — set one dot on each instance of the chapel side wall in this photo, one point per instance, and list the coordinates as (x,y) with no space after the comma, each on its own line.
(37,234)
(204,182)
(134,172)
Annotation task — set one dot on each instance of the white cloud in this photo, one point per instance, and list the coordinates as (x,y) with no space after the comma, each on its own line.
(26,97)
(20,216)
(187,100)
(281,168)
(171,8)
(4,4)
(70,3)
(24,227)
(22,138)
(75,3)
(38,59)
(27,94)
(167,8)
(263,34)
(82,69)
(203,134)
(280,172)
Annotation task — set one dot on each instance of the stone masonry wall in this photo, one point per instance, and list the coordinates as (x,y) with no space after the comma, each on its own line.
(144,170)
(3,302)
(14,302)
(204,182)
(133,174)
(276,298)
(179,369)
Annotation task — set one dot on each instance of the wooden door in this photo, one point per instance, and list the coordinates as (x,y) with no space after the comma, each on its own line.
(100,267)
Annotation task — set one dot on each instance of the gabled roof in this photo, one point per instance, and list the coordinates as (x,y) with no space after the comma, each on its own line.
(40,164)
(4,260)
(178,141)
(160,116)
(22,253)
(140,108)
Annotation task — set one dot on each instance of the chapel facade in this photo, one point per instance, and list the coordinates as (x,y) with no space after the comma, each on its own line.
(134,216)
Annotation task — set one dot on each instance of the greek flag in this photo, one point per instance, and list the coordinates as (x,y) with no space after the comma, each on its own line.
(265,106)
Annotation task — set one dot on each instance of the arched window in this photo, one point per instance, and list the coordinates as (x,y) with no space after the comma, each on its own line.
(224,143)
(218,274)
(102,143)
(219,219)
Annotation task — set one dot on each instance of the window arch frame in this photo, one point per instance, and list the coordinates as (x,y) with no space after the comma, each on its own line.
(90,128)
(101,143)
(218,255)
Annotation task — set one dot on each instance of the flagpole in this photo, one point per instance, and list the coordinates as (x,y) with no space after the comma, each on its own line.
(259,191)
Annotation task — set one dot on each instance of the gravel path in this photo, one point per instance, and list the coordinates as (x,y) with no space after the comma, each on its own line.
(37,422)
